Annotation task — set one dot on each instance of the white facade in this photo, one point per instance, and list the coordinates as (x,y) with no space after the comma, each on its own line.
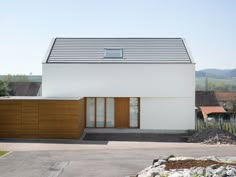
(166,89)
(170,113)
(118,80)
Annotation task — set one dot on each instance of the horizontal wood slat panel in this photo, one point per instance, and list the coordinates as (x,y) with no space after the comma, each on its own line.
(7,126)
(31,103)
(9,107)
(10,122)
(29,109)
(59,112)
(9,117)
(29,126)
(41,118)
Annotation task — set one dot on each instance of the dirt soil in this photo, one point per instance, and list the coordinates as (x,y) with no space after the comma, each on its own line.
(180,164)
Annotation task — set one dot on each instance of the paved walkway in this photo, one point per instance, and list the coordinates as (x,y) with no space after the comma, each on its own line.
(114,159)
(46,145)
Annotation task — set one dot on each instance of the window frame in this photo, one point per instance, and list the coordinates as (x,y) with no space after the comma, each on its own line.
(121,53)
(95,125)
(138,112)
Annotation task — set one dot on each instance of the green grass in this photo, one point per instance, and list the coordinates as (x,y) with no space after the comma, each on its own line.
(216,84)
(3,152)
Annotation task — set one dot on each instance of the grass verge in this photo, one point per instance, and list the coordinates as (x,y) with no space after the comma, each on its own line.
(3,152)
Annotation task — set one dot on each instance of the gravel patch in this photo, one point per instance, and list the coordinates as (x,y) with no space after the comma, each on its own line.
(213,136)
(189,167)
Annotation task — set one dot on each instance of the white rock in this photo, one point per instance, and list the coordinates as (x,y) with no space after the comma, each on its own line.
(176,174)
(181,158)
(230,172)
(198,170)
(220,170)
(215,175)
(159,162)
(145,170)
(187,173)
(164,173)
(158,170)
(152,173)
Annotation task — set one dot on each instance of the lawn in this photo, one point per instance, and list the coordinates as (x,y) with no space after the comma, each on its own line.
(3,152)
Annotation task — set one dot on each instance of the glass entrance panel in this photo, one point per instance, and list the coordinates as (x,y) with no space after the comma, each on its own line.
(100,112)
(134,111)
(90,113)
(110,112)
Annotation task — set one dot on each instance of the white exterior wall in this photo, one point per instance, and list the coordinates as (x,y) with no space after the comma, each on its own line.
(118,80)
(167,113)
(167,91)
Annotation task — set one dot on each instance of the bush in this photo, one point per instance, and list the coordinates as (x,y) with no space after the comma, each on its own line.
(3,88)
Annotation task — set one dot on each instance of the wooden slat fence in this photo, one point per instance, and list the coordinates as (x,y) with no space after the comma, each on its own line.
(41,118)
(229,126)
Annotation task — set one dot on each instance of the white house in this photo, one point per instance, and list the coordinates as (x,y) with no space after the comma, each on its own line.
(146,83)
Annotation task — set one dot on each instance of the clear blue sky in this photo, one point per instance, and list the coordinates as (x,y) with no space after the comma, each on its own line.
(27,26)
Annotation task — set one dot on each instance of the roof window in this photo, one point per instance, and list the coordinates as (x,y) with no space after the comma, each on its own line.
(113,53)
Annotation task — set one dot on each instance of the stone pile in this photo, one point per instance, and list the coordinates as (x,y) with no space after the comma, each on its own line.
(213,136)
(189,167)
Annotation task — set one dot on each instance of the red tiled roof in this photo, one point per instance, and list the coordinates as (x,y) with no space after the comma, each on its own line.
(225,96)
(211,109)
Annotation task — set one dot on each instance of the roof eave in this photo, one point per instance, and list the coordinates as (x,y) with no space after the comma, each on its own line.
(188,51)
(50,47)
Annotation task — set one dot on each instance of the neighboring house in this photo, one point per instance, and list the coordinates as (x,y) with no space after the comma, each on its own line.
(206,98)
(24,88)
(216,98)
(216,112)
(214,104)
(227,100)
(146,83)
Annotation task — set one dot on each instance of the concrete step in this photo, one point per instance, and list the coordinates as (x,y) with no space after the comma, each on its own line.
(145,137)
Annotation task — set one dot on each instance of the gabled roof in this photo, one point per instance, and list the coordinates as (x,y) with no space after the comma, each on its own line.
(211,109)
(135,50)
(225,96)
(206,98)
(24,88)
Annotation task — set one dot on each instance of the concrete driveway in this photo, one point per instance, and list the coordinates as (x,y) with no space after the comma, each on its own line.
(115,159)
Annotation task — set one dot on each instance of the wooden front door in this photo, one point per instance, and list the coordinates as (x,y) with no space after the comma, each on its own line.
(121,112)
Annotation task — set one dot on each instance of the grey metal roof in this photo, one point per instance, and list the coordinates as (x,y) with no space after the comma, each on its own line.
(135,50)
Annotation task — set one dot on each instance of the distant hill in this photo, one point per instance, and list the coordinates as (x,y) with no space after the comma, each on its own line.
(21,78)
(217,73)
(232,73)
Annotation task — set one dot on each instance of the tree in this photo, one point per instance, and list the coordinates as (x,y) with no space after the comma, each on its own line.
(16,78)
(3,88)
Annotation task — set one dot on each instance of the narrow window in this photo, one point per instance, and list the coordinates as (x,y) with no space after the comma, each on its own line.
(90,122)
(110,112)
(100,112)
(113,53)
(134,112)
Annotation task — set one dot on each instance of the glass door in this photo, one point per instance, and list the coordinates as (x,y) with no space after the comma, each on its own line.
(90,112)
(100,112)
(110,112)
